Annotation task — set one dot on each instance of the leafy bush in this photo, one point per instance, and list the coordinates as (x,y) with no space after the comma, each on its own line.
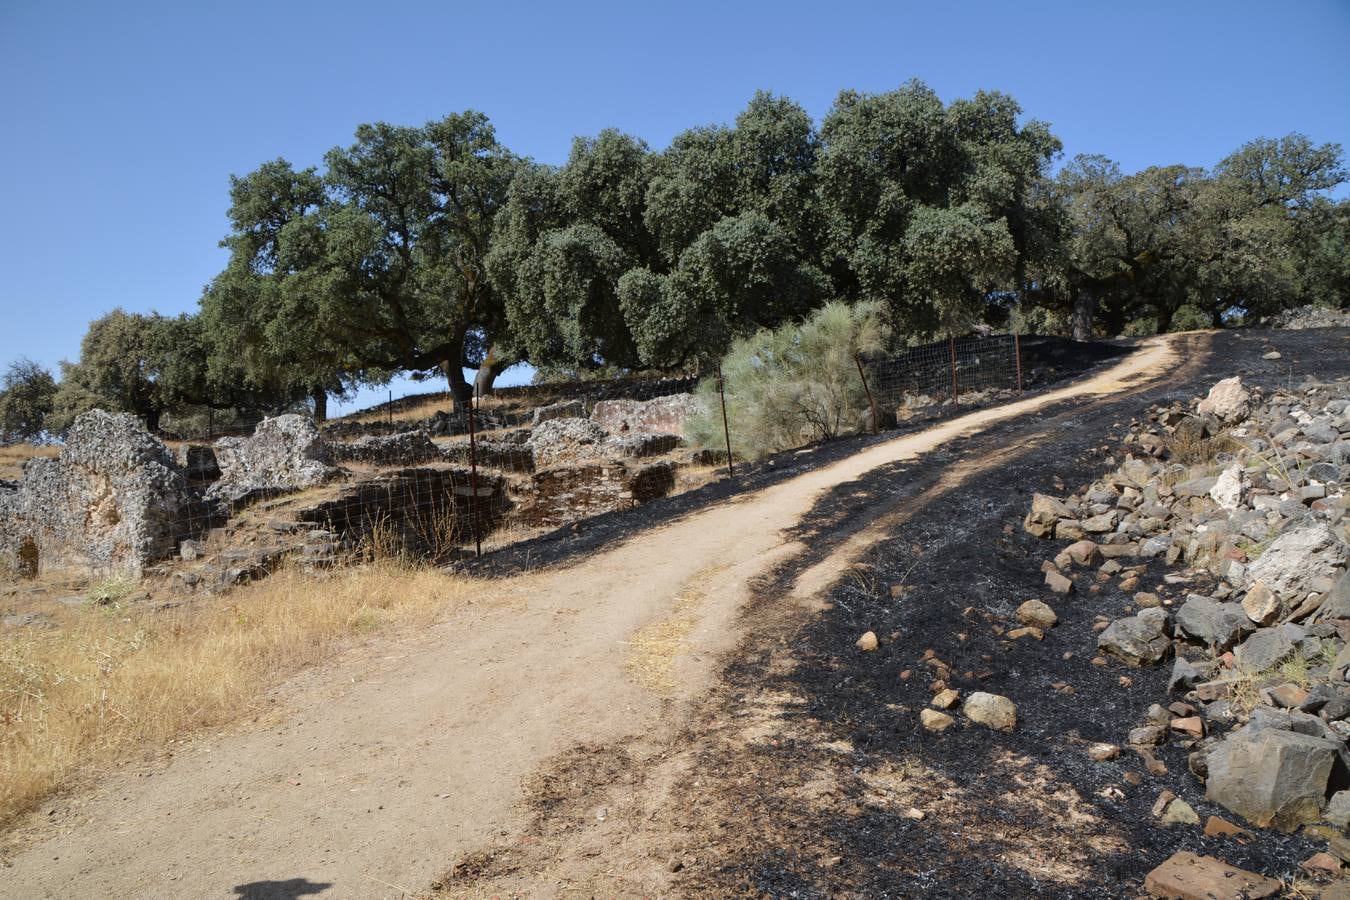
(1144,326)
(794,385)
(1190,318)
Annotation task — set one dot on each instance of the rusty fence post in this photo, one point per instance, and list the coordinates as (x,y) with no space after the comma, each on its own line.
(951,342)
(473,481)
(726,428)
(391,409)
(871,401)
(1017,355)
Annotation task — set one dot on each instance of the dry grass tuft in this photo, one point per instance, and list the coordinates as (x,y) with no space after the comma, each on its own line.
(13,456)
(654,648)
(113,682)
(1190,450)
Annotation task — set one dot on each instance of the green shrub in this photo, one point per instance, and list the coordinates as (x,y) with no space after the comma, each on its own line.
(1144,326)
(1190,318)
(794,385)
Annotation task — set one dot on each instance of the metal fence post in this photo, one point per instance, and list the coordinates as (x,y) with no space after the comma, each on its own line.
(391,409)
(726,428)
(952,344)
(473,483)
(871,401)
(1017,354)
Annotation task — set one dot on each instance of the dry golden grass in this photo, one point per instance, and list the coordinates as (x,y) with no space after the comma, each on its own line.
(113,683)
(1190,450)
(13,456)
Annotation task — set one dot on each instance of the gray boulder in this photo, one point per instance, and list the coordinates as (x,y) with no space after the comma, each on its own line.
(1228,401)
(1301,554)
(1268,647)
(284,454)
(1216,624)
(1271,778)
(1184,676)
(1137,639)
(1338,810)
(1337,603)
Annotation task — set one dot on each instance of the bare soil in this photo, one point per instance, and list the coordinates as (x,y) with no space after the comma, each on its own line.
(677,711)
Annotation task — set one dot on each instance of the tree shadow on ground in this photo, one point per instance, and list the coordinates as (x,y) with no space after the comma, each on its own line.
(290,889)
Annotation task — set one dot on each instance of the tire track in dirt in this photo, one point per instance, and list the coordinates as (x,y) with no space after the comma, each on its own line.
(412,752)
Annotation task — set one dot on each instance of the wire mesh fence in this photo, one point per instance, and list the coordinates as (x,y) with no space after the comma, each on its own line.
(945,370)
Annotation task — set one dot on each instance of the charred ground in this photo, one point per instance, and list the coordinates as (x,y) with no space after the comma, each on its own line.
(806,773)
(1018,814)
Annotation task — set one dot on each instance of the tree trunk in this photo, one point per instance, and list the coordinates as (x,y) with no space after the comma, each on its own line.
(1084,308)
(320,398)
(454,377)
(492,366)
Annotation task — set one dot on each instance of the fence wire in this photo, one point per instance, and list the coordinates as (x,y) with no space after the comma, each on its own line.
(945,371)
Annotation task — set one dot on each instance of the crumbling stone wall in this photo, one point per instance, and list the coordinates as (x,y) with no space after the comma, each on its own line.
(111,502)
(284,454)
(664,415)
(407,448)
(561,495)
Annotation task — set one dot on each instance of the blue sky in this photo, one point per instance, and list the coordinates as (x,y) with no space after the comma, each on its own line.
(126,119)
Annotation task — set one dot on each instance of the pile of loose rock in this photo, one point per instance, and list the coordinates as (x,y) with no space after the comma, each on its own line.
(1237,504)
(1312,317)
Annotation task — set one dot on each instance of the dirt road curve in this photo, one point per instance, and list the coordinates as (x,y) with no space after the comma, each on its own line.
(390,765)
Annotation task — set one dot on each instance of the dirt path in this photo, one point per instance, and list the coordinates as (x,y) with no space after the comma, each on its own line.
(411,753)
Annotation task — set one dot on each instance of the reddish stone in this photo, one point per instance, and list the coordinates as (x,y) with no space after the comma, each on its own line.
(1186,876)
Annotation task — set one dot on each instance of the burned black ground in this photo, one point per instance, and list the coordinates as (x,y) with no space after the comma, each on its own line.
(1018,814)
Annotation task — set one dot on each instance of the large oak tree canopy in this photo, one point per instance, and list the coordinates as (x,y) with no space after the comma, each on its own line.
(434,248)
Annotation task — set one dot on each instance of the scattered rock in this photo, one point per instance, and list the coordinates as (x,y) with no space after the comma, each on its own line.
(1058,583)
(991,710)
(1216,826)
(1045,513)
(946,699)
(1298,556)
(1103,752)
(1137,639)
(1228,401)
(868,642)
(935,721)
(1217,624)
(1179,812)
(1338,810)
(1271,778)
(1230,488)
(1260,604)
(1037,614)
(1268,648)
(1186,876)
